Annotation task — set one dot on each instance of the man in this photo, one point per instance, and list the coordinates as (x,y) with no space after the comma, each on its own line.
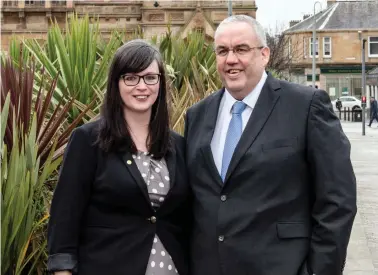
(283,201)
(339,104)
(373,110)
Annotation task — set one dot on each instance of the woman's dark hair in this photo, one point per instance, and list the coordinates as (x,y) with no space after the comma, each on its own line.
(113,133)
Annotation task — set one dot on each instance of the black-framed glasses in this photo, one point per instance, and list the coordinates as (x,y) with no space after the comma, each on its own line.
(133,80)
(238,50)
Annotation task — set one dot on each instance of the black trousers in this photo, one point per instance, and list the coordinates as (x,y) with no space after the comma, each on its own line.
(374,116)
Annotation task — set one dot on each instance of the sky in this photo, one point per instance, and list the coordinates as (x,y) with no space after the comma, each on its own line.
(276,14)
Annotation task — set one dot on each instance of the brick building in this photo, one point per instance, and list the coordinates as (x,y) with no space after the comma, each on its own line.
(338,46)
(31,18)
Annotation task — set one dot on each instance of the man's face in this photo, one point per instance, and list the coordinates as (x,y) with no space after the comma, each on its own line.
(242,69)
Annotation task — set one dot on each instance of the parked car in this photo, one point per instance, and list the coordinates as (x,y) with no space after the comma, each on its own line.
(351,102)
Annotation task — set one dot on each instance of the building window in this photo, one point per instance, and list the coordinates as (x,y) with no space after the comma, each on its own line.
(34,2)
(316,47)
(59,3)
(327,47)
(373,46)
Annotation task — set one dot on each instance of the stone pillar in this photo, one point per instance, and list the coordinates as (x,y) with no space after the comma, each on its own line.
(21,4)
(48,4)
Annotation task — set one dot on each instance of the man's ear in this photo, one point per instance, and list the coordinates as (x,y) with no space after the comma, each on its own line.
(265,52)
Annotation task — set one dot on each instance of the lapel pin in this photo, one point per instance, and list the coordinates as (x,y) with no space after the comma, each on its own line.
(129,162)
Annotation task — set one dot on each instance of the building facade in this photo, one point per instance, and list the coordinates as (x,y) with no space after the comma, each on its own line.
(32,18)
(340,28)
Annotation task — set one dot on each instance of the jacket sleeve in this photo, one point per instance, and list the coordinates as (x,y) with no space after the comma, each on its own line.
(333,185)
(69,201)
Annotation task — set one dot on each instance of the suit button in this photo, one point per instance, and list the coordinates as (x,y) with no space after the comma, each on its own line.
(223,198)
(153,219)
(221,238)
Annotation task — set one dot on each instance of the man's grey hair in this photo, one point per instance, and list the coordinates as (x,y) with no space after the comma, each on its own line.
(259,31)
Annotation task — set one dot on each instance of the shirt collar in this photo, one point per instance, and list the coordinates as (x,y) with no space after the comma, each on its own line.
(251,99)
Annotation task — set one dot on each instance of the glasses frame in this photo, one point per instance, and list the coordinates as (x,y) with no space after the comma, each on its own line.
(139,78)
(238,54)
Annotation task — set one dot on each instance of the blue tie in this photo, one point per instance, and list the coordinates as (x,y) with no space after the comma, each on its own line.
(233,135)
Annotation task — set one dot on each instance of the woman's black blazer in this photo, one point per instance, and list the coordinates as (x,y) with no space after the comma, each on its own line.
(101,219)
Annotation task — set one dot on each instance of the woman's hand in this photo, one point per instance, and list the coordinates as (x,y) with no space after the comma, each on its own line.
(62,273)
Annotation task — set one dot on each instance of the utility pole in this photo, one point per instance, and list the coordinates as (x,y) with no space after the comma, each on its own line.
(229,7)
(314,46)
(363,41)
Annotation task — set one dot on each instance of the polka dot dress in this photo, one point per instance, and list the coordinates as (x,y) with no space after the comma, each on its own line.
(155,174)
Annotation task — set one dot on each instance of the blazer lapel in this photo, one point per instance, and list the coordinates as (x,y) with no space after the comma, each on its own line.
(135,173)
(263,108)
(170,159)
(210,118)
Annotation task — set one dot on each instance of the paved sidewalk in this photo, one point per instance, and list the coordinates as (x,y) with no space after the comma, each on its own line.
(363,247)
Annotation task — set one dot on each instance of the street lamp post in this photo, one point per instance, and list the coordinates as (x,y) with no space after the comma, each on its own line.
(363,41)
(229,7)
(314,46)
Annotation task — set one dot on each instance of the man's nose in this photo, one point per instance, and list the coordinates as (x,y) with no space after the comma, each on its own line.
(231,58)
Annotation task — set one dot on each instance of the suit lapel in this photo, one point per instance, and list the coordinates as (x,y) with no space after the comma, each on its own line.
(171,164)
(208,131)
(263,108)
(134,171)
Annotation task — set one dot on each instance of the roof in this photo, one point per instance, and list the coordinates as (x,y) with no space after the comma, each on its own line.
(342,15)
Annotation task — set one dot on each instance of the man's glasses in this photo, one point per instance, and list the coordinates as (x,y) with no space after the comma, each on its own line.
(132,80)
(238,50)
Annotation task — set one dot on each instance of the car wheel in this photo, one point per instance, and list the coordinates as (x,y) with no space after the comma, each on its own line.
(356,108)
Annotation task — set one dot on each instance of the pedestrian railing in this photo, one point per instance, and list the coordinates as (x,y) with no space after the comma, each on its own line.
(349,114)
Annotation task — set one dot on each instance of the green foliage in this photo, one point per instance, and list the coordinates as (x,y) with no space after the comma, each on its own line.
(76,59)
(189,57)
(34,133)
(22,178)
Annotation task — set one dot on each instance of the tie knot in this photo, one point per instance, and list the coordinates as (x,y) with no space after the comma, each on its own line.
(238,107)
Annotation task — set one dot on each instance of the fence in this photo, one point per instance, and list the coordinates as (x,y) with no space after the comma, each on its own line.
(349,114)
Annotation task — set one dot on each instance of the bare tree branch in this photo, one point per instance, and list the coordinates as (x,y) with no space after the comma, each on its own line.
(283,51)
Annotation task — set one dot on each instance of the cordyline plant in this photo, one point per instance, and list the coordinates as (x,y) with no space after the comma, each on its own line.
(77,58)
(33,134)
(189,58)
(51,119)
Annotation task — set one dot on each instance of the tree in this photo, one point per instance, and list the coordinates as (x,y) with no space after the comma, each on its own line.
(282,53)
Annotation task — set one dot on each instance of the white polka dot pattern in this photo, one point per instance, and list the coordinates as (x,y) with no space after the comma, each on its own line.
(155,174)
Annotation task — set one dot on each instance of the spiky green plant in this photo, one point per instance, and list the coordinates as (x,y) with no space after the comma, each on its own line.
(33,133)
(75,58)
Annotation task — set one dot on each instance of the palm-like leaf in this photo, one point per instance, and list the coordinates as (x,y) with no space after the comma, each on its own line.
(18,83)
(21,185)
(77,58)
(179,54)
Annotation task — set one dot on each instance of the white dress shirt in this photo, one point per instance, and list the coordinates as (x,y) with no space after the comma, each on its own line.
(224,118)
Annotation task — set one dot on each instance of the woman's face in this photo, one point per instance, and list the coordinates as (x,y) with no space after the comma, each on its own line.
(139,91)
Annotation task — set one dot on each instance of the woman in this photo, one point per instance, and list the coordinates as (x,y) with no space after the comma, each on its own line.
(122,203)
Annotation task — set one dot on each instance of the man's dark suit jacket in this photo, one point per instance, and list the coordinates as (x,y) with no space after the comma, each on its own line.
(289,198)
(374,108)
(101,215)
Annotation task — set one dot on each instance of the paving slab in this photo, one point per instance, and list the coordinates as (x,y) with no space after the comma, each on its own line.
(362,256)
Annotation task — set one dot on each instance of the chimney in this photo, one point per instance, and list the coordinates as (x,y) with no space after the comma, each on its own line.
(306,16)
(330,2)
(293,23)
